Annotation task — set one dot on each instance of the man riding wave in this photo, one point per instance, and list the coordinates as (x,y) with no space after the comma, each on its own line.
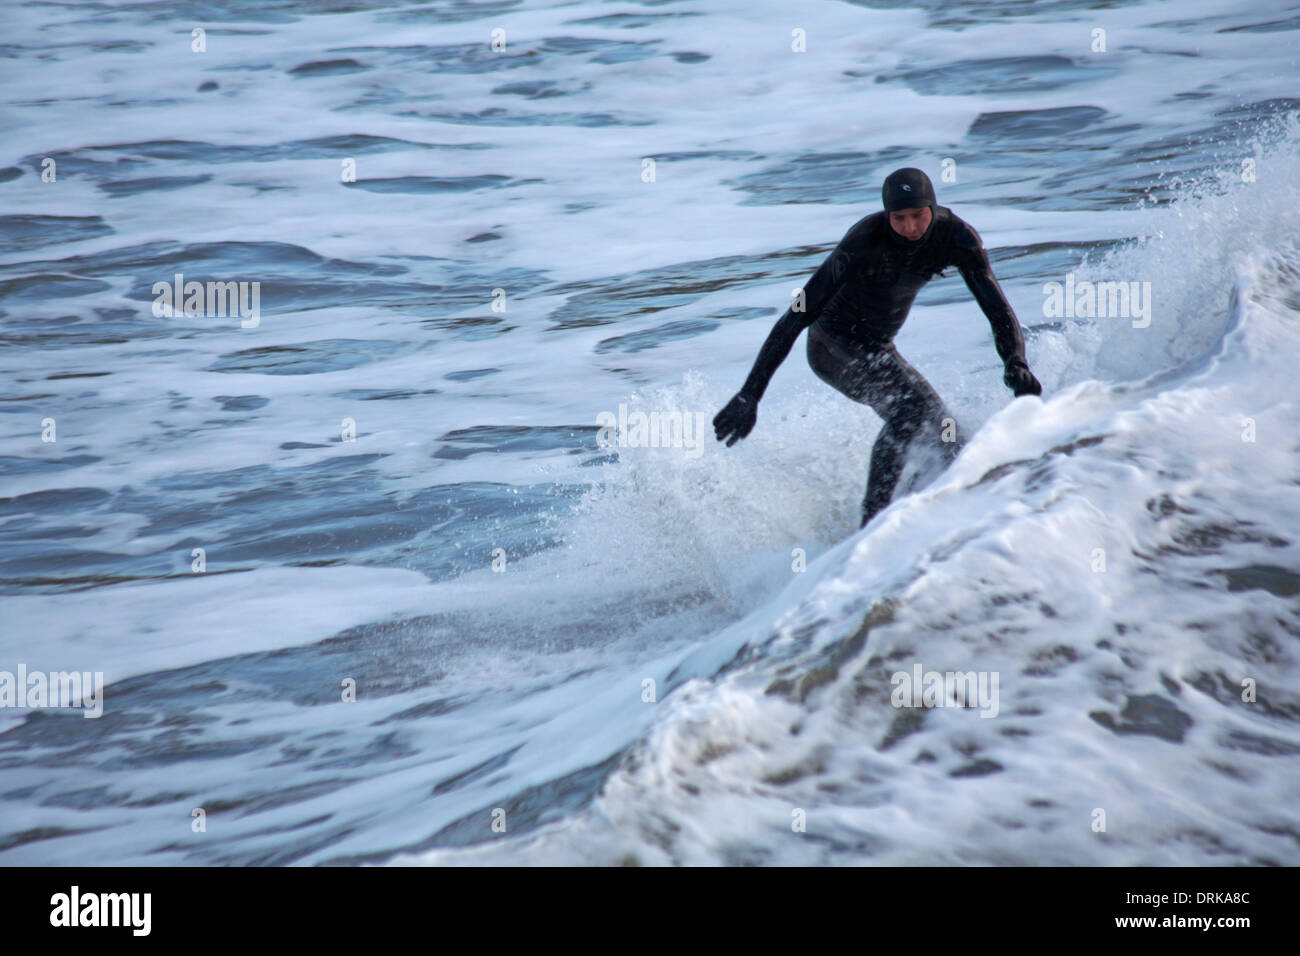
(854,305)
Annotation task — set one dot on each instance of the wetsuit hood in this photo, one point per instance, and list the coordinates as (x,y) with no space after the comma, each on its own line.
(909,188)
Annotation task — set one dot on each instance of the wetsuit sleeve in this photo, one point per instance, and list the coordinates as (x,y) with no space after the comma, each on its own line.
(816,292)
(973,262)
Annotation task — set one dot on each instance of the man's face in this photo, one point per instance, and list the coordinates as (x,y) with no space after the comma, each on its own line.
(910,223)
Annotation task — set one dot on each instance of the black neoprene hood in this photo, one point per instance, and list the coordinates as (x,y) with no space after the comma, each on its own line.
(907,188)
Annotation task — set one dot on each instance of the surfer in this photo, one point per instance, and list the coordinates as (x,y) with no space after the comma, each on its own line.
(856,302)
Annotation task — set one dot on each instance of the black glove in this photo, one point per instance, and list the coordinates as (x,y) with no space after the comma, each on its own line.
(1019,379)
(736,420)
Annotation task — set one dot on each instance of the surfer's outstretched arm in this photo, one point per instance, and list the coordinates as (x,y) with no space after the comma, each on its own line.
(736,420)
(973,262)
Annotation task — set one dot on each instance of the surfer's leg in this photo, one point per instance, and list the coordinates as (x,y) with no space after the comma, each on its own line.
(934,423)
(913,412)
(887,457)
(843,367)
(899,394)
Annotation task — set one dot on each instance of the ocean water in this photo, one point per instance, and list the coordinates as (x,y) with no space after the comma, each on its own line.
(390,484)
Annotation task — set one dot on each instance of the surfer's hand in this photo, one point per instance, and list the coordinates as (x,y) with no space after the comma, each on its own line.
(1019,379)
(736,420)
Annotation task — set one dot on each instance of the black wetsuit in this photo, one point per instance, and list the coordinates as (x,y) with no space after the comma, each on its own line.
(856,302)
